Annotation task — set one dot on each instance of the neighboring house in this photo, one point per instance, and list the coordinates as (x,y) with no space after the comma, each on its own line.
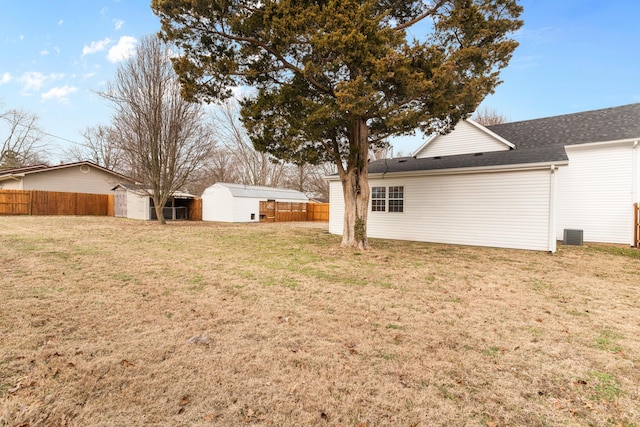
(134,201)
(241,203)
(79,177)
(514,185)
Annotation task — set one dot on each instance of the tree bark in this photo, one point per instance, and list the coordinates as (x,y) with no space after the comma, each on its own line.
(355,187)
(158,206)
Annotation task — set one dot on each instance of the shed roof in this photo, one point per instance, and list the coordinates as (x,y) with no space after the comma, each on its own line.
(145,190)
(258,192)
(537,141)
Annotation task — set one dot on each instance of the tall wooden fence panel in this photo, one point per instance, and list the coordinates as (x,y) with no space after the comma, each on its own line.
(195,210)
(271,211)
(636,238)
(318,212)
(14,202)
(287,211)
(55,203)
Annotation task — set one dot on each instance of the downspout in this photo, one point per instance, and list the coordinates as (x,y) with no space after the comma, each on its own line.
(551,244)
(634,172)
(635,153)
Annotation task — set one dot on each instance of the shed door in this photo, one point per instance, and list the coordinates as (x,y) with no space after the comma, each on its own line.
(268,211)
(120,204)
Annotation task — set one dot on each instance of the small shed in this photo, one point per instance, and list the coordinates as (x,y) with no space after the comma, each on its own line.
(135,202)
(241,203)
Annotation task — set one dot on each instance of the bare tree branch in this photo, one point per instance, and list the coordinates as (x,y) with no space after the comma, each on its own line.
(22,141)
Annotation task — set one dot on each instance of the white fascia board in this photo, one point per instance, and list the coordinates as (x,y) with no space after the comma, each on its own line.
(470,170)
(595,144)
(492,134)
(432,137)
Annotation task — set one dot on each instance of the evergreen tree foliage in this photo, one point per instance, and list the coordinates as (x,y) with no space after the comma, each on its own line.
(335,78)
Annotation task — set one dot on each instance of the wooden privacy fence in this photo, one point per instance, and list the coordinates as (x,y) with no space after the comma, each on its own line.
(271,211)
(34,202)
(636,234)
(195,210)
(318,212)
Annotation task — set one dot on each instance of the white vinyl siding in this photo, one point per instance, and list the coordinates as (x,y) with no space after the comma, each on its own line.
(10,184)
(464,139)
(500,209)
(595,193)
(71,179)
(336,207)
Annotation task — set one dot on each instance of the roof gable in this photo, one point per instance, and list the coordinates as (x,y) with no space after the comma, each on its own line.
(467,137)
(536,142)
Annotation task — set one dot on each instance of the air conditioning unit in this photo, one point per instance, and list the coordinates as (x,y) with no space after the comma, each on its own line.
(573,237)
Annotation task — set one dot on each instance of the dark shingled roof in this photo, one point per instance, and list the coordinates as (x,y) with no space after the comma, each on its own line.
(609,124)
(536,141)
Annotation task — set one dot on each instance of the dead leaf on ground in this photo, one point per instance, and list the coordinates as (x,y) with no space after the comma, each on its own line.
(185,400)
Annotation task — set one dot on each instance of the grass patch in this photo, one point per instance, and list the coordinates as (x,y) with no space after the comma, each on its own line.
(292,329)
(616,250)
(606,387)
(607,341)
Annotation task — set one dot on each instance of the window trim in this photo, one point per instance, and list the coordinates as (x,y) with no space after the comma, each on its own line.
(388,198)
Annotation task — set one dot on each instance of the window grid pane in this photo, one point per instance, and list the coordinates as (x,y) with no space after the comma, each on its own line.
(396,205)
(396,199)
(378,199)
(377,206)
(396,192)
(378,192)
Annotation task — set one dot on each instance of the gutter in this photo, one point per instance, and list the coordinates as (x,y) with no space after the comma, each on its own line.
(470,170)
(551,233)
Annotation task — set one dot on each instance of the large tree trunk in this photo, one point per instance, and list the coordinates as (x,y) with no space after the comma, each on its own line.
(158,206)
(355,187)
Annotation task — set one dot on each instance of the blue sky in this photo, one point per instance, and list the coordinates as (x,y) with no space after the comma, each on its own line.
(574,55)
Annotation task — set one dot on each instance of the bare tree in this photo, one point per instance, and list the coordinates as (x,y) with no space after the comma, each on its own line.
(252,167)
(166,137)
(22,140)
(101,146)
(220,166)
(489,117)
(309,179)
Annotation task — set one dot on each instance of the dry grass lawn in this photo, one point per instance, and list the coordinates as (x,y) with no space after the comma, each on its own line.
(114,322)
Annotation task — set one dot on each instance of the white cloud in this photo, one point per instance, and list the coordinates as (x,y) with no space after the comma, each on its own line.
(6,78)
(32,80)
(44,52)
(118,23)
(123,49)
(60,22)
(96,46)
(59,93)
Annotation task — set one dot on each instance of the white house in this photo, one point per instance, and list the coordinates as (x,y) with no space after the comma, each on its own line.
(514,185)
(134,201)
(78,177)
(241,203)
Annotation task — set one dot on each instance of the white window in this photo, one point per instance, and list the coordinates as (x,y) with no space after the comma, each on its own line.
(393,203)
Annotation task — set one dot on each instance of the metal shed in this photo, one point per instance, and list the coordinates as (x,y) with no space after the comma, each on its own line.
(241,203)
